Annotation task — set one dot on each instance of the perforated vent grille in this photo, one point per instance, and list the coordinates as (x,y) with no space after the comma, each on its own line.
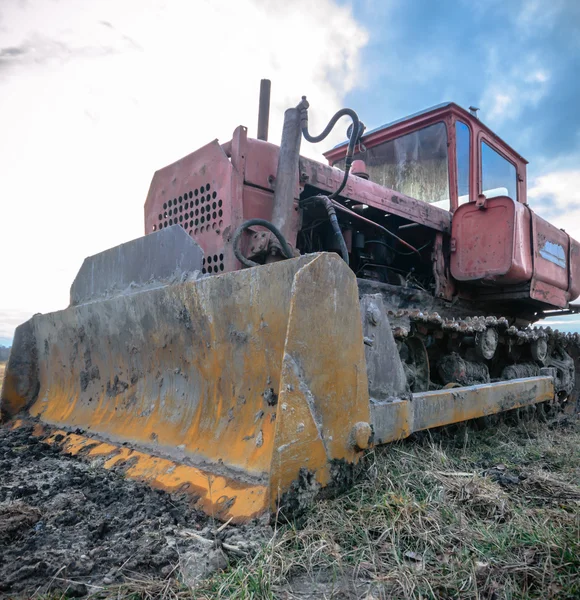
(197,211)
(214,263)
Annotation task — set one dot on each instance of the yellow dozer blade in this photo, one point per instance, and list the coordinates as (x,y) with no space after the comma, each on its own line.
(245,390)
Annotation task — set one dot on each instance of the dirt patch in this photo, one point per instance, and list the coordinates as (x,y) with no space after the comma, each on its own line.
(68,526)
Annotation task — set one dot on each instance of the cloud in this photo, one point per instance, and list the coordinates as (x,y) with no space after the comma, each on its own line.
(95,96)
(555,196)
(9,320)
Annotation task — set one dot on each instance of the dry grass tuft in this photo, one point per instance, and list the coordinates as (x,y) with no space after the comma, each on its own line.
(495,514)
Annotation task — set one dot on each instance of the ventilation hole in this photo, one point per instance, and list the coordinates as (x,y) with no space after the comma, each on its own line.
(197,221)
(220,212)
(186,205)
(154,227)
(165,205)
(171,221)
(214,225)
(214,215)
(160,225)
(220,203)
(197,201)
(209,260)
(170,212)
(203,271)
(201,229)
(181,209)
(221,223)
(165,224)
(180,199)
(190,194)
(215,258)
(214,195)
(165,214)
(214,205)
(181,218)
(221,266)
(221,256)
(190,224)
(202,189)
(202,209)
(207,187)
(202,219)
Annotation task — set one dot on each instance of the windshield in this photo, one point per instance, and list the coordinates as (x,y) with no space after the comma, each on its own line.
(498,175)
(414,164)
(462,146)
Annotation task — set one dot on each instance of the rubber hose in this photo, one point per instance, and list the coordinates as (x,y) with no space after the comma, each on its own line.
(263,223)
(343,112)
(340,237)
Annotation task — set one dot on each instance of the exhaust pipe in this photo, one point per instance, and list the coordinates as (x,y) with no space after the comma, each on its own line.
(264,110)
(287,171)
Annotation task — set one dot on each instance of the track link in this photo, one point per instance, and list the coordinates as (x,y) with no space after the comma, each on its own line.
(446,352)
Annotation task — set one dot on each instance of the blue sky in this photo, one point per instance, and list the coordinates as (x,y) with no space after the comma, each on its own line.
(518,60)
(95,96)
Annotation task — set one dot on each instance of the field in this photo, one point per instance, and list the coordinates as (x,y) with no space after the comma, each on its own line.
(482,513)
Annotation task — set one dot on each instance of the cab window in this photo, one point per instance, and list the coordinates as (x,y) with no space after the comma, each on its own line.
(498,175)
(462,145)
(414,164)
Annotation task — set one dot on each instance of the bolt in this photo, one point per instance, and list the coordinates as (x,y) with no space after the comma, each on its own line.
(361,435)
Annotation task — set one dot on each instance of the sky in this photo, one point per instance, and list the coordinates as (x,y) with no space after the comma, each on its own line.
(95,96)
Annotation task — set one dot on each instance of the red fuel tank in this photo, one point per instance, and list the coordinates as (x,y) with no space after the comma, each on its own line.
(506,243)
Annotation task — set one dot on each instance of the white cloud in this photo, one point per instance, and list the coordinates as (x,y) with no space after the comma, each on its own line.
(95,96)
(555,196)
(501,104)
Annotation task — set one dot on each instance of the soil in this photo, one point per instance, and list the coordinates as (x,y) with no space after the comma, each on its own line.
(68,526)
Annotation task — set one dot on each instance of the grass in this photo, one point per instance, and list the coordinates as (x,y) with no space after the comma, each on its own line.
(488,514)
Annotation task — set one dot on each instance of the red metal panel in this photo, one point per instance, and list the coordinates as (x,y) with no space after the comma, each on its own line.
(361,190)
(195,192)
(574,289)
(548,294)
(493,243)
(551,253)
(262,164)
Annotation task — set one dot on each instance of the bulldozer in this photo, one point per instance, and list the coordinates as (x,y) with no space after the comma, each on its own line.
(280,317)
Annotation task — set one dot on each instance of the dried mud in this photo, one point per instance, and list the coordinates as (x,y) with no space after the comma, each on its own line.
(68,526)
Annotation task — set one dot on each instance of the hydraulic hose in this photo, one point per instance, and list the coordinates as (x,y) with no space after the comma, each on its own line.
(287,173)
(357,129)
(361,218)
(263,223)
(329,206)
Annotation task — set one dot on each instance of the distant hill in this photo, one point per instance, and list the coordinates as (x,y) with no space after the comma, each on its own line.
(4,352)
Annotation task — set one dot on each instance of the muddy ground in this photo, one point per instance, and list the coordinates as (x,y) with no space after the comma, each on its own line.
(68,526)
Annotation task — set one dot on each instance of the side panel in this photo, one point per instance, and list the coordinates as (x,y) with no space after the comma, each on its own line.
(196,192)
(574,289)
(492,243)
(551,254)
